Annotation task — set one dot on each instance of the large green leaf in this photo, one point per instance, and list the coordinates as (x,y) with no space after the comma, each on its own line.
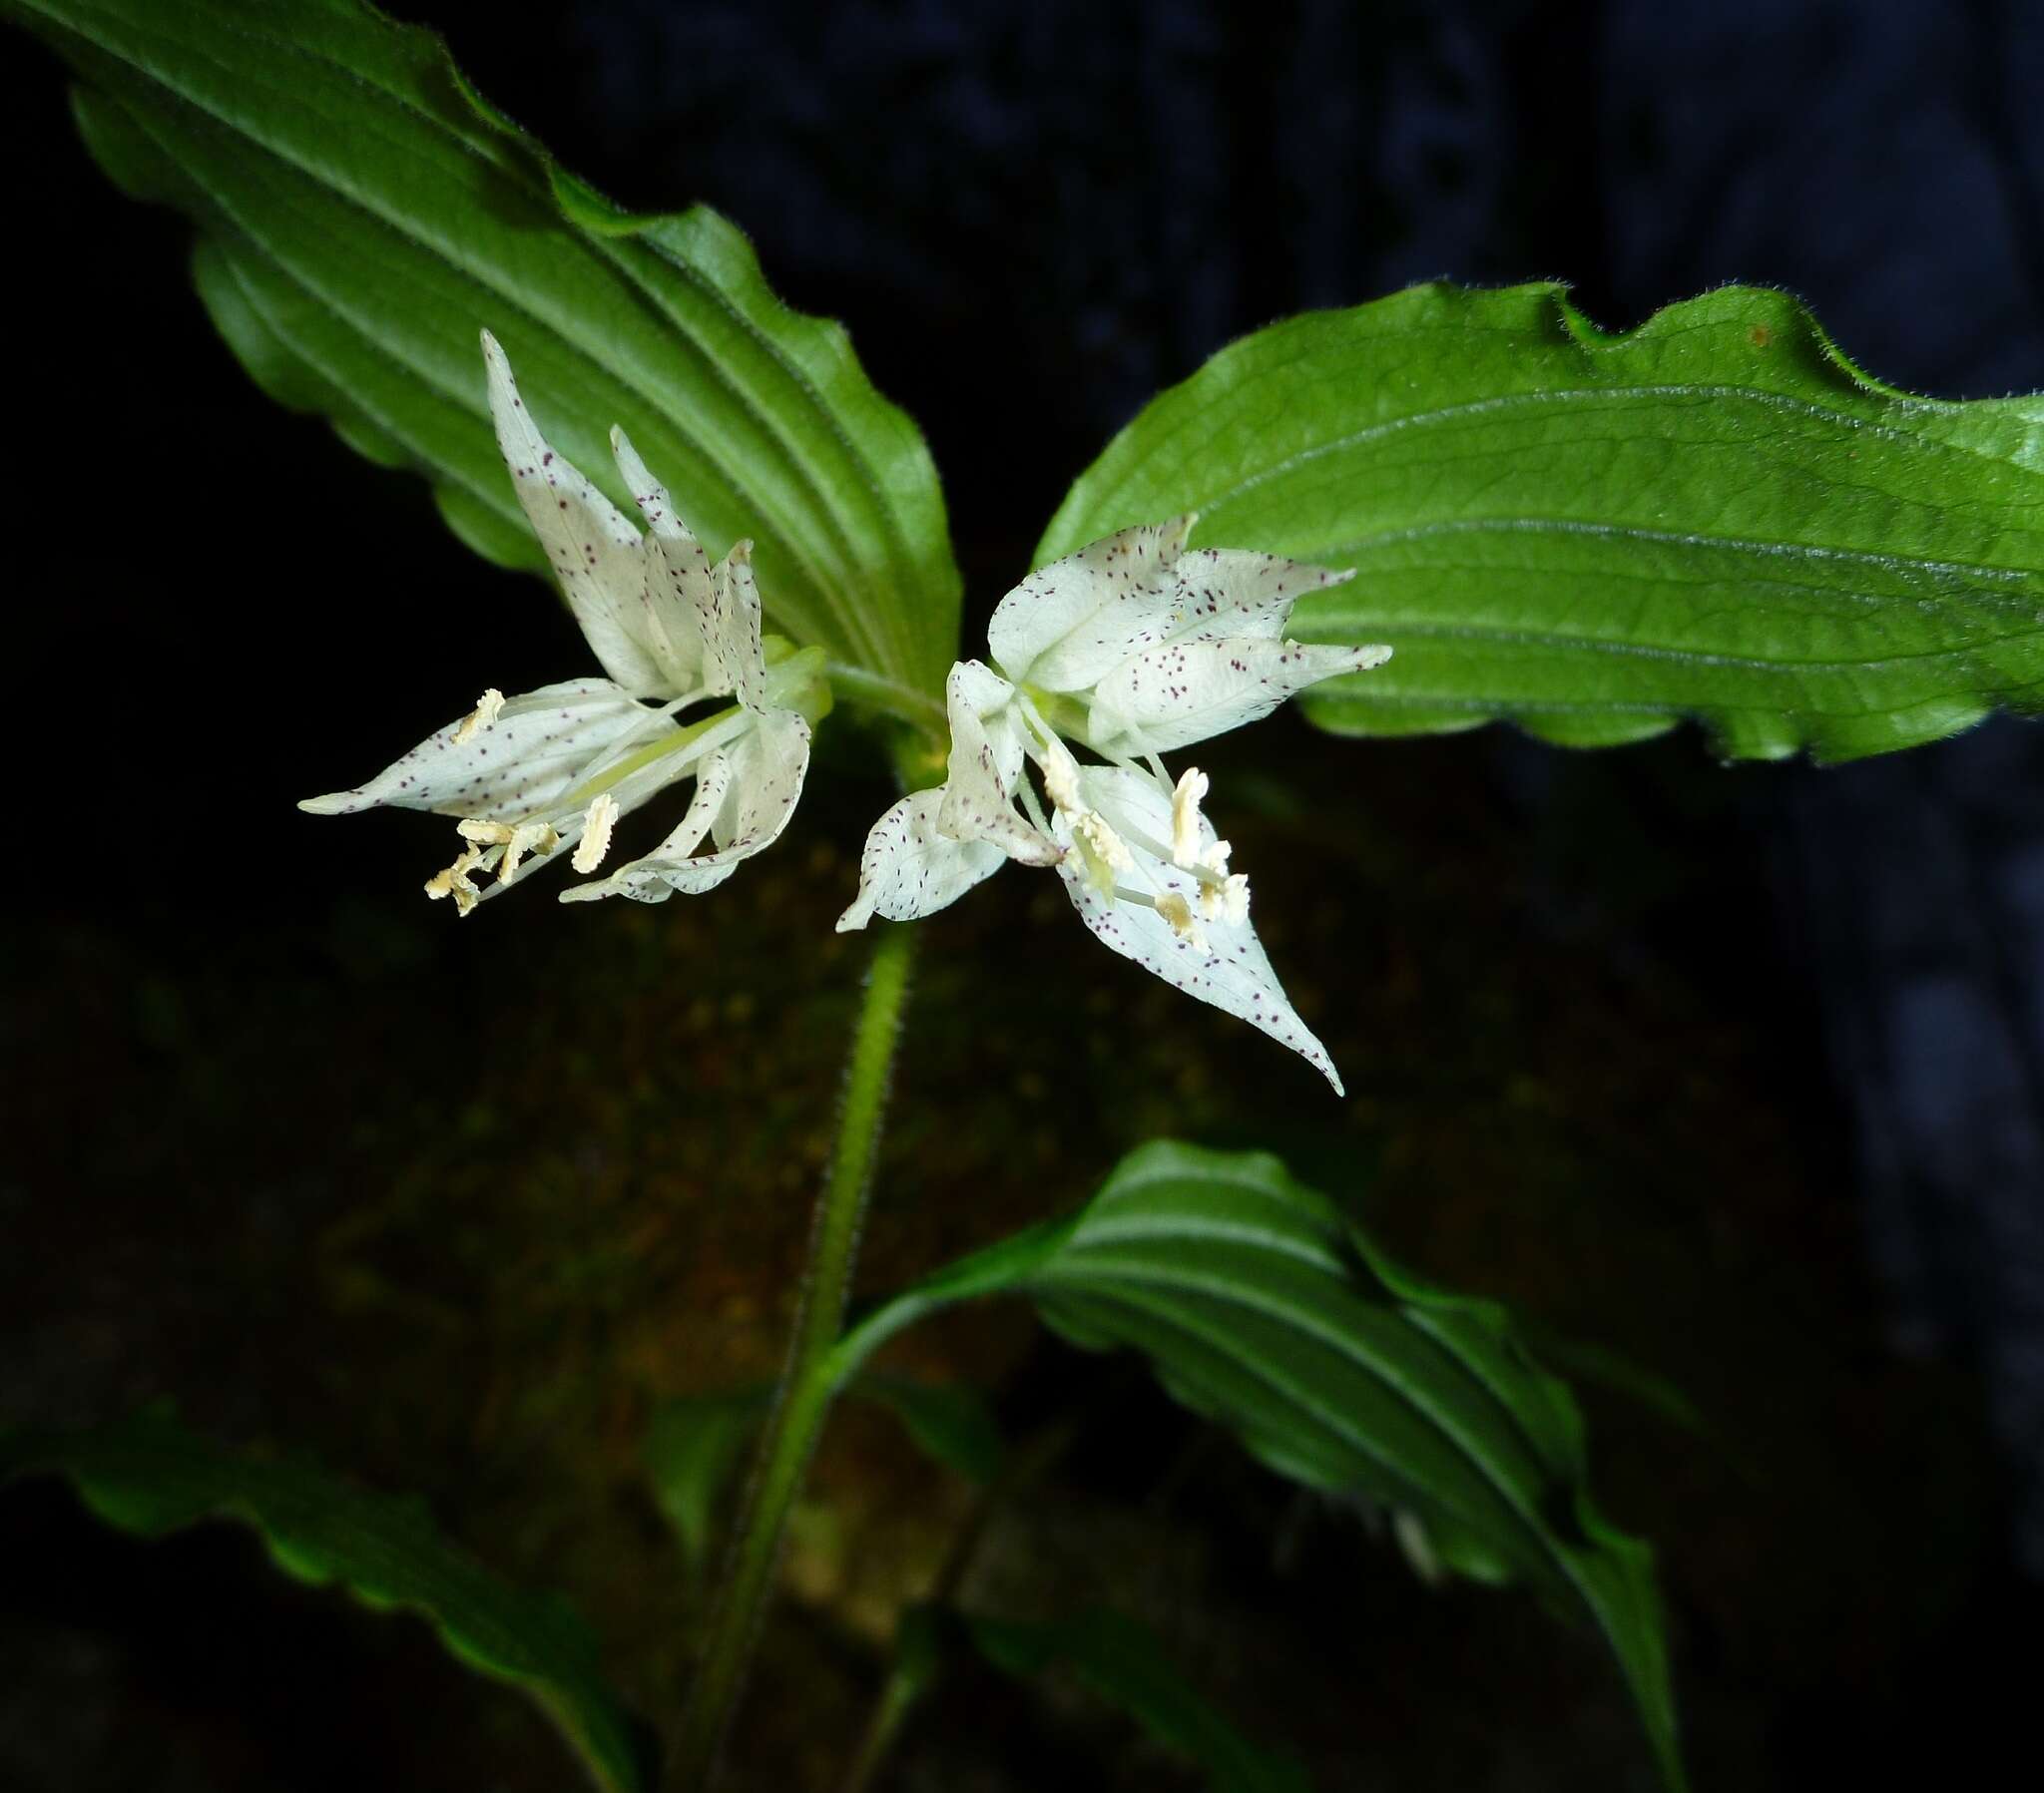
(364,215)
(1126,1665)
(1260,1305)
(151,1476)
(1715,515)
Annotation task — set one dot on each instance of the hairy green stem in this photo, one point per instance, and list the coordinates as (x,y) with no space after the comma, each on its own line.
(809,1383)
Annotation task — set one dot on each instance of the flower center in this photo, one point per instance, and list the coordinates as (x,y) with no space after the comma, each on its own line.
(693,741)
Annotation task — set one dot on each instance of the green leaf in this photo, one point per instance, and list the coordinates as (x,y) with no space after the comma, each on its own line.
(150,1475)
(692,1450)
(364,214)
(1260,1305)
(1126,1665)
(950,1421)
(1589,1362)
(1715,515)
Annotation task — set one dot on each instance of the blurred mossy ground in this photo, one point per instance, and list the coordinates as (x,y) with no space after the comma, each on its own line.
(456,1207)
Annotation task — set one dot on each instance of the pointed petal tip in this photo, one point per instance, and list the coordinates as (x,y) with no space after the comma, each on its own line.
(335,802)
(856,916)
(741,552)
(638,476)
(498,378)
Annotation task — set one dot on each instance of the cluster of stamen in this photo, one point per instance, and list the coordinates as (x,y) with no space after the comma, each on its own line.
(502,847)
(1224,896)
(1101,850)
(515,839)
(1221,896)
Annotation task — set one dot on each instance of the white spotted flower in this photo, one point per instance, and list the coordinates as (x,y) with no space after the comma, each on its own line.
(1129,648)
(546,774)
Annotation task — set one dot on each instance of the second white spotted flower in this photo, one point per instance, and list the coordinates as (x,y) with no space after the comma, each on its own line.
(1131,648)
(546,773)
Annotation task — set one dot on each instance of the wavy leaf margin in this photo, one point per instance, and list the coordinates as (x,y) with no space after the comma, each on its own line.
(1260,1306)
(150,1475)
(1715,515)
(364,213)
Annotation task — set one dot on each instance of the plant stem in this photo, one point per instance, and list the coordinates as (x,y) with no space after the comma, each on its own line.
(898,1696)
(877,691)
(907,1681)
(809,1385)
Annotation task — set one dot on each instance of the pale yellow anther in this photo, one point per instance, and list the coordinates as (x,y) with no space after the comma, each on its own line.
(485,712)
(1103,852)
(517,840)
(455,882)
(1179,913)
(527,837)
(1184,817)
(1227,901)
(596,833)
(1061,780)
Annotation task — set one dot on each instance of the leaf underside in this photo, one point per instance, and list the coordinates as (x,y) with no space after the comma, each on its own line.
(1712,516)
(1259,1305)
(364,215)
(150,1475)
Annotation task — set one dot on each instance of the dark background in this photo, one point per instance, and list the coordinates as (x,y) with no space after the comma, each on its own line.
(1736,1073)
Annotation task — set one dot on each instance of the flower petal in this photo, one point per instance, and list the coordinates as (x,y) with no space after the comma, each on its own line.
(1186,692)
(678,577)
(911,868)
(599,557)
(745,795)
(1228,592)
(729,621)
(538,747)
(654,503)
(977,800)
(722,602)
(1234,974)
(1070,624)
